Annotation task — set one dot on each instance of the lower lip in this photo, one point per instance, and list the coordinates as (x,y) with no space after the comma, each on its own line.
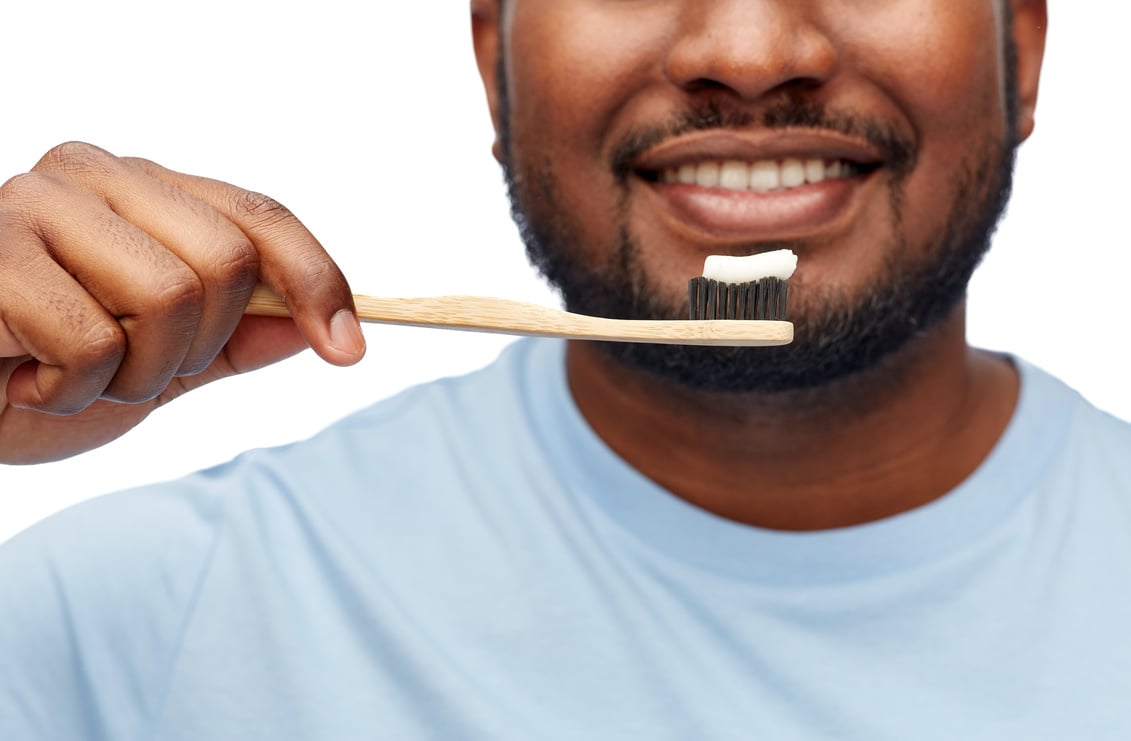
(793,213)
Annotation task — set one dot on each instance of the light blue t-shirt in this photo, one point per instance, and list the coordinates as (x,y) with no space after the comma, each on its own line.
(468,561)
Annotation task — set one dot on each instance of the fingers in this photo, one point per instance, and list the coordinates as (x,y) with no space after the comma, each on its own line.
(220,259)
(73,346)
(120,276)
(291,261)
(151,302)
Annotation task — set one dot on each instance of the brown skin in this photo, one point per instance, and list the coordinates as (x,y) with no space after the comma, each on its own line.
(122,286)
(882,442)
(144,271)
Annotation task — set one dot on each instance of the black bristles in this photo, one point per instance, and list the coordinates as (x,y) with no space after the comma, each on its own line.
(764,299)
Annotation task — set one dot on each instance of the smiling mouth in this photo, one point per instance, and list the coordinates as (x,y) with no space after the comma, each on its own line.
(762,176)
(718,188)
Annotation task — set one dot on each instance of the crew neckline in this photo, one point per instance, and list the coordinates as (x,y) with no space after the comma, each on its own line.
(606,485)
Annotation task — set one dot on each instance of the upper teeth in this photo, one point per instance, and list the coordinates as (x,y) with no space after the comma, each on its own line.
(761,177)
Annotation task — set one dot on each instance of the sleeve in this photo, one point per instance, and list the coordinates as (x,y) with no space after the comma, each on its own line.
(93,602)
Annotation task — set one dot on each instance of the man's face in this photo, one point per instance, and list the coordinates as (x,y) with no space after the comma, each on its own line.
(874,139)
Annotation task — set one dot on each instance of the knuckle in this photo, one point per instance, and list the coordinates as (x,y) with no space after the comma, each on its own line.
(236,262)
(179,294)
(143,165)
(316,274)
(261,209)
(140,163)
(26,188)
(77,158)
(101,348)
(25,202)
(318,267)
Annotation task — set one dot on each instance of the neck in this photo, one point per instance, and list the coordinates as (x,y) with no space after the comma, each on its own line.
(888,440)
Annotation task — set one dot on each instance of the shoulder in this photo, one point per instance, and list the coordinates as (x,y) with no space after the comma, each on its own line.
(1091,446)
(152,544)
(92,600)
(1088,425)
(1055,401)
(97,600)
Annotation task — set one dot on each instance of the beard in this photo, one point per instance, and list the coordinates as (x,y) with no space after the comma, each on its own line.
(838,332)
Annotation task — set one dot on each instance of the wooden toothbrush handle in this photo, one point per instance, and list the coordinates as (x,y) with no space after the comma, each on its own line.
(485,314)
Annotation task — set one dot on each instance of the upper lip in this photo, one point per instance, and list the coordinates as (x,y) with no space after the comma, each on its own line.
(777,144)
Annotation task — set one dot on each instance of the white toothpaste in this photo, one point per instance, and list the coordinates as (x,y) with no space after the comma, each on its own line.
(730,269)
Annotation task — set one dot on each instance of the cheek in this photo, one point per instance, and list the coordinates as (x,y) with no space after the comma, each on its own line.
(938,67)
(573,64)
(572,68)
(938,62)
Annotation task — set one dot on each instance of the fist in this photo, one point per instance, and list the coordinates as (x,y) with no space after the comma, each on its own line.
(123,284)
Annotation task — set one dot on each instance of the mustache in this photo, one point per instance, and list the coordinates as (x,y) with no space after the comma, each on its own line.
(897,148)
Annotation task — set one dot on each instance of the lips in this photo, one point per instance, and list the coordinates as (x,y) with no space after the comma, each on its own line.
(722,186)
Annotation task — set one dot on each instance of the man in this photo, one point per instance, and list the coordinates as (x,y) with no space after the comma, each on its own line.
(876,532)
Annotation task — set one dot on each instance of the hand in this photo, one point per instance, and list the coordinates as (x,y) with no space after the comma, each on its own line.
(123,285)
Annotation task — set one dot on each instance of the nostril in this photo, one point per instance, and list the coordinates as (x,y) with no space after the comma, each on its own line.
(751,49)
(704,84)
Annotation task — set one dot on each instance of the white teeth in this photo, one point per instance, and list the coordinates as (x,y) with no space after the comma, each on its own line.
(761,177)
(765,176)
(708,174)
(792,173)
(734,176)
(814,171)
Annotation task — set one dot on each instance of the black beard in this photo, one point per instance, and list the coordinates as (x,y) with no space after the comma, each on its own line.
(836,334)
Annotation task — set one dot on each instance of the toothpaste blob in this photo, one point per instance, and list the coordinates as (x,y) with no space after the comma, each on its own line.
(728,269)
(744,288)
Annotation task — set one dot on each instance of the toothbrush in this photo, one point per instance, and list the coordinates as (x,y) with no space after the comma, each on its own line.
(765,327)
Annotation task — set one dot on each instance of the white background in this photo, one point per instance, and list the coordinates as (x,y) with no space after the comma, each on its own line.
(367,120)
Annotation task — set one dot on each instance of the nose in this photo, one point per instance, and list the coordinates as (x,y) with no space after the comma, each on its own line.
(750,47)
